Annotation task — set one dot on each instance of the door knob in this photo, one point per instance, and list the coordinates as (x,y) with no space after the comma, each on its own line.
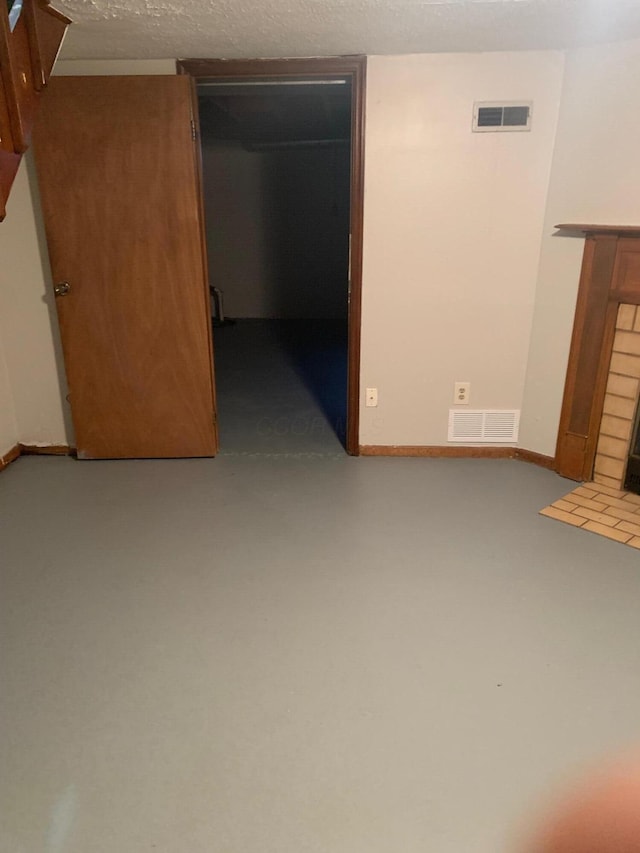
(62,289)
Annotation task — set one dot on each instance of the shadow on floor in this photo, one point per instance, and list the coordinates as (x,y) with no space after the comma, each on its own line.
(281,386)
(317,350)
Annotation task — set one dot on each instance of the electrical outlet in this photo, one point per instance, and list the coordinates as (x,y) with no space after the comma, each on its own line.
(461,393)
(371,397)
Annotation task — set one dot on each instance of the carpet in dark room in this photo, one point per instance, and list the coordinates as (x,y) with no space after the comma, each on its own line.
(281,386)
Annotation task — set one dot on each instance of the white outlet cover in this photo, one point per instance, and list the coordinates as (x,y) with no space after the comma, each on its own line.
(461,393)
(371,397)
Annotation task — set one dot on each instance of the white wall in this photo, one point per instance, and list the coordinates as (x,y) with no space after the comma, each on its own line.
(595,179)
(236,226)
(277,245)
(309,194)
(453,223)
(27,325)
(8,426)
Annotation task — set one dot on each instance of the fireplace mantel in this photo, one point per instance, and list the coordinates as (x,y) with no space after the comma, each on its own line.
(610,277)
(620,230)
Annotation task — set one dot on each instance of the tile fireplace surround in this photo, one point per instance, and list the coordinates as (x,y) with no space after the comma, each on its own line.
(602,386)
(620,401)
(602,506)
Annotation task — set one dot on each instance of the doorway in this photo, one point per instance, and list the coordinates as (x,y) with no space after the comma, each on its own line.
(281,144)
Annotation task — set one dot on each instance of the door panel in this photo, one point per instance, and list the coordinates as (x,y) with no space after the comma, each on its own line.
(121,202)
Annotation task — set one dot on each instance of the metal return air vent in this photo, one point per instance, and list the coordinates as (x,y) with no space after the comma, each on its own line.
(484,426)
(491,117)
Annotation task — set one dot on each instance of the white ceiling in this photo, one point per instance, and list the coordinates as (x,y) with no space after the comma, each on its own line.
(130,29)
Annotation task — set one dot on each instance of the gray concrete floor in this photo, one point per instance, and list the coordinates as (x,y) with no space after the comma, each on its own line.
(290,654)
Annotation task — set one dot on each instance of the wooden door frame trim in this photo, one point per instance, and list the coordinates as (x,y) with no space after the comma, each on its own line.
(591,346)
(353,67)
(197,154)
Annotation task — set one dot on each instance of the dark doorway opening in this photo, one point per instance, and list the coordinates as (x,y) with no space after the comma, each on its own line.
(276,185)
(282,184)
(632,475)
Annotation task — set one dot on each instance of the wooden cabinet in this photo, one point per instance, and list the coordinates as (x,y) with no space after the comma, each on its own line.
(29,45)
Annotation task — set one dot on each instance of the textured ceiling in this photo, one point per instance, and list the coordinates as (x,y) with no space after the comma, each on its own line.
(130,29)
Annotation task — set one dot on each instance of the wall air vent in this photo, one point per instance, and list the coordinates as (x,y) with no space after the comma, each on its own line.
(484,426)
(496,116)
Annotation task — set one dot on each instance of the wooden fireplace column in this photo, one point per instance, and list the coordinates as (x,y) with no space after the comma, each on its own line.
(610,276)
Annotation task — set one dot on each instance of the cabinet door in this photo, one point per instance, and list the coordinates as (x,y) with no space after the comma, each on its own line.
(6,138)
(20,91)
(27,55)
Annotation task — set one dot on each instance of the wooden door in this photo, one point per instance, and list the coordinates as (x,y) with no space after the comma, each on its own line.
(120,194)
